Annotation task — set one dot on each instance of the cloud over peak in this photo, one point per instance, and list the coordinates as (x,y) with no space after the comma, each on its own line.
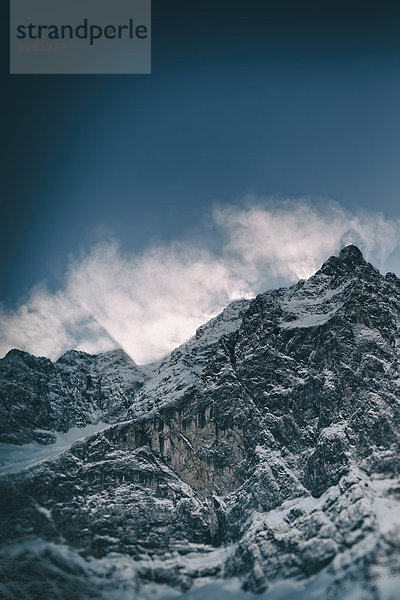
(149,303)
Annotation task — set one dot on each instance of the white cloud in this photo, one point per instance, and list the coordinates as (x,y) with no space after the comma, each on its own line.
(150,303)
(288,241)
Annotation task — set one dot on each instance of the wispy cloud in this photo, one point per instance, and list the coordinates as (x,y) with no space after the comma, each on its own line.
(268,241)
(150,303)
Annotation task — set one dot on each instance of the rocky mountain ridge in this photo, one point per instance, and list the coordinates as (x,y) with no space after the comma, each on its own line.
(263,451)
(39,398)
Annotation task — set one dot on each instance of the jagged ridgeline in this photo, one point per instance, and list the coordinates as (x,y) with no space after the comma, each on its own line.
(261,457)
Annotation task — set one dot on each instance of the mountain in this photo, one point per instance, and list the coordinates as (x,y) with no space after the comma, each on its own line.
(39,398)
(261,457)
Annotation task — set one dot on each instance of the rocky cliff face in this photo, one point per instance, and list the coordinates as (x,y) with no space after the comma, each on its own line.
(262,454)
(39,398)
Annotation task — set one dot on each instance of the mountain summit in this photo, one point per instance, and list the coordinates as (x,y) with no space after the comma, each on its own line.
(351,252)
(262,455)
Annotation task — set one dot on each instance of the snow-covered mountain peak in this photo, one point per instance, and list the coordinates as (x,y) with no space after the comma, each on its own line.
(263,451)
(349,265)
(342,280)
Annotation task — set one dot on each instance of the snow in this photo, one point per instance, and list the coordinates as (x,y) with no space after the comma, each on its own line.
(311,311)
(164,381)
(171,377)
(17,458)
(367,505)
(311,320)
(388,588)
(387,509)
(362,333)
(114,577)
(334,430)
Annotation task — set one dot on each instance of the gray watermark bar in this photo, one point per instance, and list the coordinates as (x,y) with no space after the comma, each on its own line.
(80,37)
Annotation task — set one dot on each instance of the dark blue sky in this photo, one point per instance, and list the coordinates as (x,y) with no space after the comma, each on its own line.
(288,98)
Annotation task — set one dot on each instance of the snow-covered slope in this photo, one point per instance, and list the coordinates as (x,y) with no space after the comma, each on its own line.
(259,458)
(170,378)
(39,398)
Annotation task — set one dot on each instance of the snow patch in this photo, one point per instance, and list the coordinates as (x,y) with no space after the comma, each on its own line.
(14,459)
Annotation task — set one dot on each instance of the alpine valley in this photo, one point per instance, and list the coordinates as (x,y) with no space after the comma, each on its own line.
(259,459)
